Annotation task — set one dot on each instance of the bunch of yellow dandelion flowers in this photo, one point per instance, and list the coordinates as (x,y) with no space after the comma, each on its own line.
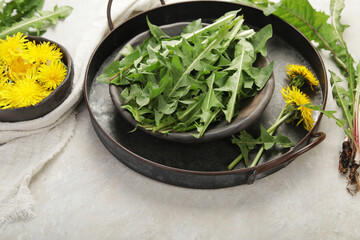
(299,75)
(295,104)
(29,71)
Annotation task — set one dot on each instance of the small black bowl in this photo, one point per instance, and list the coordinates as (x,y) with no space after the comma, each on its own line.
(50,102)
(251,110)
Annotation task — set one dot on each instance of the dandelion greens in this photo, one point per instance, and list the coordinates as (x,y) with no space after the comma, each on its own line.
(27,17)
(187,82)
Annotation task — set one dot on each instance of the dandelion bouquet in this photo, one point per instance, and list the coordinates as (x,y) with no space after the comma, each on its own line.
(297,108)
(29,71)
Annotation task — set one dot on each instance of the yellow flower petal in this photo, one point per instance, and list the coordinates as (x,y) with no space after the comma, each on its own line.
(301,73)
(52,75)
(12,47)
(26,91)
(43,53)
(19,65)
(297,99)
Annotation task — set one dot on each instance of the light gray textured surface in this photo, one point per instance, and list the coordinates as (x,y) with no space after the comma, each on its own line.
(86,193)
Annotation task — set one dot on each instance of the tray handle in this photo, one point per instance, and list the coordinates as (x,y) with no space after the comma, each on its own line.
(108,13)
(319,137)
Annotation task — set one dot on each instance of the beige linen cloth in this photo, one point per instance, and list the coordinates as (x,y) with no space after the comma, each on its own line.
(25,147)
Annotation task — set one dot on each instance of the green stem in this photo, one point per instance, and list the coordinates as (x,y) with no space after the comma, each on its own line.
(204,29)
(213,25)
(278,122)
(161,126)
(236,25)
(211,45)
(186,129)
(271,131)
(235,162)
(257,157)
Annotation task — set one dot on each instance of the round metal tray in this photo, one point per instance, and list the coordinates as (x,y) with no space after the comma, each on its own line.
(202,165)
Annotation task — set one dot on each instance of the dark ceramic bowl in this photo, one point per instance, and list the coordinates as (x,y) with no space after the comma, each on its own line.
(251,110)
(50,102)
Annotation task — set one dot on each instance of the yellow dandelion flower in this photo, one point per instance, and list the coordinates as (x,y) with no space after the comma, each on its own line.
(299,75)
(12,46)
(52,75)
(26,91)
(19,65)
(43,53)
(296,99)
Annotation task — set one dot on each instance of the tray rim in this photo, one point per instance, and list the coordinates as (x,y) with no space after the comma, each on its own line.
(261,168)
